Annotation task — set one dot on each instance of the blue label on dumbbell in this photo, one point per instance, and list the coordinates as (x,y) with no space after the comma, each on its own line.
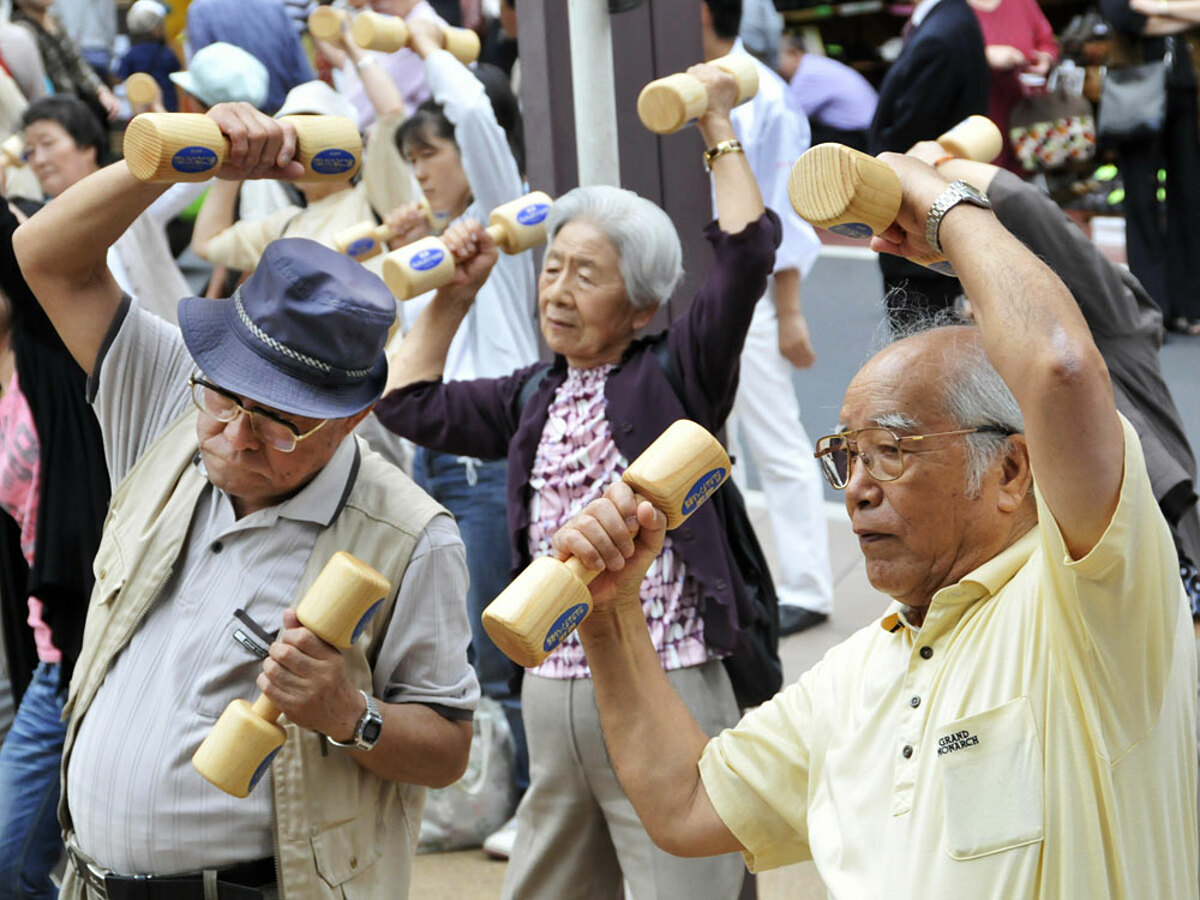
(361,246)
(362,623)
(333,162)
(564,625)
(194,159)
(852,230)
(427,259)
(262,769)
(533,214)
(703,489)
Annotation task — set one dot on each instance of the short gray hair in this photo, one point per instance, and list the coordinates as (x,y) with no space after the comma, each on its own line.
(973,394)
(648,249)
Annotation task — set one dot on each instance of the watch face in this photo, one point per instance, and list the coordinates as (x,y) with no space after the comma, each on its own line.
(371,731)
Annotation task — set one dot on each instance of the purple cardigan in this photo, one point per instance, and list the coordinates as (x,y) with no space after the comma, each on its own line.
(483,417)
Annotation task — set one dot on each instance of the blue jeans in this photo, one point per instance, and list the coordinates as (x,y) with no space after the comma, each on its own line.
(30,840)
(474,491)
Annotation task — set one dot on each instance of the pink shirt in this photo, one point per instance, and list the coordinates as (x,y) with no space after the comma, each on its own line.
(19,479)
(576,460)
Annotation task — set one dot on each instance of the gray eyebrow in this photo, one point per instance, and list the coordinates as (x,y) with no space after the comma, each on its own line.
(886,420)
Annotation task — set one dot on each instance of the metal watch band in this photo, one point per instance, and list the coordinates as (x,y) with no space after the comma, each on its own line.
(721,148)
(955,193)
(361,740)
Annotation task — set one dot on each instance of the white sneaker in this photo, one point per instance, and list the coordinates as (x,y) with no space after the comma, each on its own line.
(499,844)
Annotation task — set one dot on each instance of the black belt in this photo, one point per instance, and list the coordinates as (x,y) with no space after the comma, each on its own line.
(240,882)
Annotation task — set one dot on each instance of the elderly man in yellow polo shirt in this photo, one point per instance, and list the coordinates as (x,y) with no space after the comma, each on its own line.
(1020,722)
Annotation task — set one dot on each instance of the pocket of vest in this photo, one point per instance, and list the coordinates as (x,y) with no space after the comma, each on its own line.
(345,850)
(992,780)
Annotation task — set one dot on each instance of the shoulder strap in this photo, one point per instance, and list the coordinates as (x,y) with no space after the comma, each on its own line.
(532,383)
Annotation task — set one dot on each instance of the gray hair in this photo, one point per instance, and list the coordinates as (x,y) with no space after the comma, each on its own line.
(972,394)
(648,249)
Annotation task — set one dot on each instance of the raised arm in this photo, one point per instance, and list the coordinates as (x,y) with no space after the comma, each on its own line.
(1038,341)
(63,249)
(739,200)
(652,738)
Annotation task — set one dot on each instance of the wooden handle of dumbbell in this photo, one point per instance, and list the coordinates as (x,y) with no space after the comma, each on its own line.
(336,607)
(325,23)
(375,31)
(850,193)
(428,264)
(975,137)
(677,474)
(142,90)
(667,104)
(170,147)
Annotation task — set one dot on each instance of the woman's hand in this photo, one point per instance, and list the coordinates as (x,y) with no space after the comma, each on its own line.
(474,256)
(620,533)
(408,223)
(1004,58)
(425,37)
(259,146)
(722,90)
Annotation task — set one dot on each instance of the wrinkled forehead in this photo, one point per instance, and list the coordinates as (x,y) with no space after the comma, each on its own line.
(901,386)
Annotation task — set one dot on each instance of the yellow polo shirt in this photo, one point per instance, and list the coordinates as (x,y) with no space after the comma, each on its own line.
(1034,739)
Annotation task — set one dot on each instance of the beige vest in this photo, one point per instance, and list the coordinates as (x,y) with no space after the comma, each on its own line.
(340,830)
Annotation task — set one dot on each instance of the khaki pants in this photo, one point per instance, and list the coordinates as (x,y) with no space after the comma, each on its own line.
(577,834)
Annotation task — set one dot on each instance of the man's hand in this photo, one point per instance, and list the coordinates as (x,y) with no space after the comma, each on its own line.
(306,678)
(259,146)
(921,185)
(407,223)
(620,533)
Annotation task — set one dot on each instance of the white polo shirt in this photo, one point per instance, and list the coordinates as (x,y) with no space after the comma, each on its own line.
(1034,739)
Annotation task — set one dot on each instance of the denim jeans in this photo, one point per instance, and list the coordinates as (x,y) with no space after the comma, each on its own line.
(474,491)
(30,841)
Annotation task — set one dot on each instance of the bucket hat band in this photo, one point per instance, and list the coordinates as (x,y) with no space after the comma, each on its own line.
(280,347)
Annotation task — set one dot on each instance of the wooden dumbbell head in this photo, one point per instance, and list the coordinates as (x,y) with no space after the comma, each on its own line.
(366,239)
(12,149)
(244,740)
(521,224)
(141,89)
(845,191)
(667,104)
(325,23)
(463,44)
(190,147)
(387,34)
(239,749)
(547,601)
(419,267)
(527,631)
(342,600)
(975,137)
(679,471)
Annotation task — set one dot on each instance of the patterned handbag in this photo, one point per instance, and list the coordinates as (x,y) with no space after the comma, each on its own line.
(1053,130)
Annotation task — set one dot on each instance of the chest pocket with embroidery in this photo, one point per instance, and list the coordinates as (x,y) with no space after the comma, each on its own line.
(992,778)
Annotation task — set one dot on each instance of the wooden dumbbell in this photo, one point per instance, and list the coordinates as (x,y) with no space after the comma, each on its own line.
(375,31)
(142,91)
(547,601)
(325,23)
(366,239)
(667,104)
(975,137)
(169,147)
(428,264)
(12,151)
(239,749)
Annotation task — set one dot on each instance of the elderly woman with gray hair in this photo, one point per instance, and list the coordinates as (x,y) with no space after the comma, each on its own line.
(569,428)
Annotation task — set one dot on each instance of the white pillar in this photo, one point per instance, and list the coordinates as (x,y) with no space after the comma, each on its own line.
(594,92)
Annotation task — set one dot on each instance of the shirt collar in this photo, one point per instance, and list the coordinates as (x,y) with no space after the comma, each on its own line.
(984,581)
(921,13)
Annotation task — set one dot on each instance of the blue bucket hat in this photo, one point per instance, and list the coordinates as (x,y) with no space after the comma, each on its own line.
(305,334)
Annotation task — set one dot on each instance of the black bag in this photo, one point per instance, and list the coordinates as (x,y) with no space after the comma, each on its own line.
(1133,103)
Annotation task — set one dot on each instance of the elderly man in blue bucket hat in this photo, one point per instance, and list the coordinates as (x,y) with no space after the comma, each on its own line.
(229,441)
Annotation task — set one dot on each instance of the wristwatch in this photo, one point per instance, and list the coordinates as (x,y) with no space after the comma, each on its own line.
(368,729)
(955,193)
